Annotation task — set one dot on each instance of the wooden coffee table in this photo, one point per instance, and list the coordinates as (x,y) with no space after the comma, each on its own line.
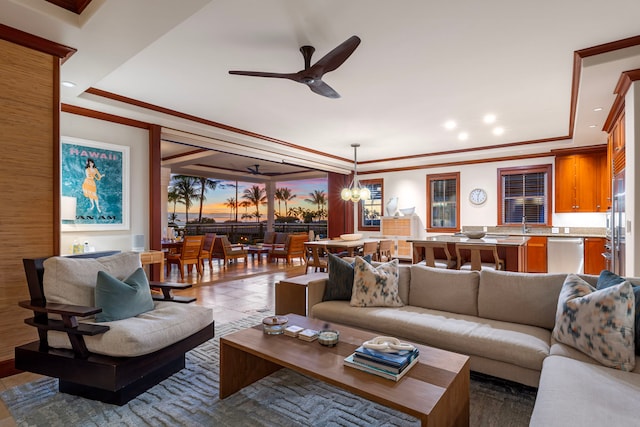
(435,390)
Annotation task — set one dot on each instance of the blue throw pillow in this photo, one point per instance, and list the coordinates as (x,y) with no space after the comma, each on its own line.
(608,279)
(122,299)
(340,284)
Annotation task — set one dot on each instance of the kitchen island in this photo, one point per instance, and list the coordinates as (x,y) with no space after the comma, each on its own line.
(512,249)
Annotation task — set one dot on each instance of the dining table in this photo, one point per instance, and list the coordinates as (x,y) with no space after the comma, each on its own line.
(351,247)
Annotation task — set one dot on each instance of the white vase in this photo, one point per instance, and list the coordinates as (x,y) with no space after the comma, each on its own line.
(392,206)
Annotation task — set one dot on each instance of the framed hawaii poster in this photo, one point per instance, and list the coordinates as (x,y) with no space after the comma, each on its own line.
(94,185)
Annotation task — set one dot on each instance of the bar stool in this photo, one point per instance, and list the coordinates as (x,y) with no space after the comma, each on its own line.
(426,252)
(475,258)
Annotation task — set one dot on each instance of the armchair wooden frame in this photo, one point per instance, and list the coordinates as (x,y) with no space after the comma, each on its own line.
(188,256)
(114,380)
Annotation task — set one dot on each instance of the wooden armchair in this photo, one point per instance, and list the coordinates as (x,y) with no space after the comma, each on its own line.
(224,250)
(293,248)
(188,256)
(84,355)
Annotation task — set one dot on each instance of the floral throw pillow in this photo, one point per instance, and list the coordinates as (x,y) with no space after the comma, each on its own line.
(375,286)
(599,323)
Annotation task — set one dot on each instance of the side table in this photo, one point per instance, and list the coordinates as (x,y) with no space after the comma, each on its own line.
(153,257)
(291,293)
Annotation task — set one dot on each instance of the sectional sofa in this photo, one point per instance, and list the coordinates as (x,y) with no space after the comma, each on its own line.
(504,321)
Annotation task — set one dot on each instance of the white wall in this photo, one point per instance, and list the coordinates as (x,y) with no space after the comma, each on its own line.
(138,140)
(411,188)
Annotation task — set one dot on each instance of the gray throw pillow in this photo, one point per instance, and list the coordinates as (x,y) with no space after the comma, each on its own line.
(340,284)
(608,279)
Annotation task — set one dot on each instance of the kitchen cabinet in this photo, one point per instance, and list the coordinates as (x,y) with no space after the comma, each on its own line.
(581,182)
(594,262)
(537,254)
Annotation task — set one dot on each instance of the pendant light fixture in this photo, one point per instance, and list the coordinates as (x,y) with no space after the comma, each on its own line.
(355,192)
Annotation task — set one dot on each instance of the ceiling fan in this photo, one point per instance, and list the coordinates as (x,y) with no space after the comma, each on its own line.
(312,74)
(254,170)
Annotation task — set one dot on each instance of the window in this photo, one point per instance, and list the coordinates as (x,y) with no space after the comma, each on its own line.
(370,211)
(524,193)
(443,202)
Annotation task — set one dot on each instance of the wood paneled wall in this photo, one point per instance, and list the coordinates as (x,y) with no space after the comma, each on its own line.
(29,96)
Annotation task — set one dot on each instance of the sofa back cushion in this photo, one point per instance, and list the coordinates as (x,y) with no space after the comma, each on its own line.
(447,290)
(526,298)
(73,280)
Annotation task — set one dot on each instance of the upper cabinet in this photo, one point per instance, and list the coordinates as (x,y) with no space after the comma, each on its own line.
(582,183)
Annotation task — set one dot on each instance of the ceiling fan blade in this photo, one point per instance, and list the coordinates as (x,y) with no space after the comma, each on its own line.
(290,76)
(321,88)
(337,56)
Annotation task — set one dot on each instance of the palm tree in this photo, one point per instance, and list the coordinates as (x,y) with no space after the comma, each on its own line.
(287,196)
(244,204)
(173,197)
(187,189)
(318,198)
(206,184)
(278,196)
(256,196)
(232,204)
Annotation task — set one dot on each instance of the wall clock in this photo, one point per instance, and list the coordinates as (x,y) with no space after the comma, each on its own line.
(478,196)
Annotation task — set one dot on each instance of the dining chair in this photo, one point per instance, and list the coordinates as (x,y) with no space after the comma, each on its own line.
(472,259)
(370,248)
(207,249)
(225,251)
(188,256)
(385,250)
(434,254)
(316,257)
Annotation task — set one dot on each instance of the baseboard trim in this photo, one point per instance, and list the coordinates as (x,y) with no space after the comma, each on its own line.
(7,368)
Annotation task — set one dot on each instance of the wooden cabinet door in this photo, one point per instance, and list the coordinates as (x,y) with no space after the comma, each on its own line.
(565,183)
(537,254)
(594,262)
(588,183)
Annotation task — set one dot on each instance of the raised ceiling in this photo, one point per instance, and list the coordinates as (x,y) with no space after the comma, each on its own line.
(419,65)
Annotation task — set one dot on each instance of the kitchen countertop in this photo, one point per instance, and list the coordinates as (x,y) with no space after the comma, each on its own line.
(501,240)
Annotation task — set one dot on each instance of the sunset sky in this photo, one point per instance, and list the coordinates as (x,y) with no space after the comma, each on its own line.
(214,206)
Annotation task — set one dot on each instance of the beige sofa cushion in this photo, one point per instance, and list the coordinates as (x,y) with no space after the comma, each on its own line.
(574,393)
(73,280)
(513,343)
(526,298)
(447,290)
(168,323)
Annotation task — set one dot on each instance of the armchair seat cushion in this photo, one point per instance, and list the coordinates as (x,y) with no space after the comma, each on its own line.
(148,332)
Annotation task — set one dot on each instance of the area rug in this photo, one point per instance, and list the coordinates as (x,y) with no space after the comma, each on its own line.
(285,398)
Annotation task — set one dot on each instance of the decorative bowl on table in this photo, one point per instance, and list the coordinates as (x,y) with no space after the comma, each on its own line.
(475,234)
(353,236)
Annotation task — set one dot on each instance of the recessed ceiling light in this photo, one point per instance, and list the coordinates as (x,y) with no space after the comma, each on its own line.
(489,118)
(498,130)
(68,84)
(592,126)
(597,109)
(463,136)
(450,124)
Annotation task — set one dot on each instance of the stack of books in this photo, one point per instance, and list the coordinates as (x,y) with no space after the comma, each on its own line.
(388,365)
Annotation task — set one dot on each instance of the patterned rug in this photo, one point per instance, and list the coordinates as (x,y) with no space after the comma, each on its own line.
(285,398)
